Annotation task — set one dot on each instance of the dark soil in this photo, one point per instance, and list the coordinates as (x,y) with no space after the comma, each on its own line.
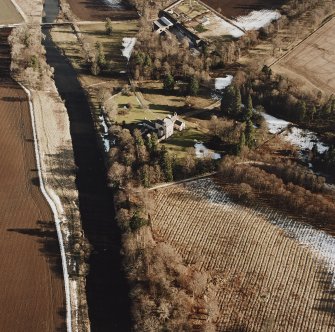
(31,278)
(99,10)
(234,8)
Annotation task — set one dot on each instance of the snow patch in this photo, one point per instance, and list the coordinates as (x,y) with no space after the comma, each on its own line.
(224,28)
(223,82)
(104,133)
(256,19)
(202,152)
(128,46)
(274,124)
(114,3)
(302,138)
(321,244)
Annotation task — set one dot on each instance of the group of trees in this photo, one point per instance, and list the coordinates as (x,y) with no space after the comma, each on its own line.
(28,57)
(136,159)
(232,107)
(275,183)
(283,97)
(192,88)
(324,161)
(164,291)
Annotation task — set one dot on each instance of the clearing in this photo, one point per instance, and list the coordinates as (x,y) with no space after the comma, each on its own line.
(263,277)
(312,62)
(8,13)
(31,278)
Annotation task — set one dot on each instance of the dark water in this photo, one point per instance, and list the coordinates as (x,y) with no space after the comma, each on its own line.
(107,291)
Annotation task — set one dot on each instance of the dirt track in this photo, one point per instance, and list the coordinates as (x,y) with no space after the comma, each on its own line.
(313,61)
(97,10)
(233,8)
(31,283)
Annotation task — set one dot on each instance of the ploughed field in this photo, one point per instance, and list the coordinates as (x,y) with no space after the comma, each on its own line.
(312,62)
(8,13)
(99,10)
(233,8)
(264,279)
(31,281)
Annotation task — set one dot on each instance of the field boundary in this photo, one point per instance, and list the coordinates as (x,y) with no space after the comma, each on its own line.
(53,207)
(168,184)
(303,40)
(21,12)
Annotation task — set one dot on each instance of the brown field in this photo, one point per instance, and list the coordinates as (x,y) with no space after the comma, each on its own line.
(98,10)
(31,281)
(8,13)
(312,62)
(233,8)
(264,280)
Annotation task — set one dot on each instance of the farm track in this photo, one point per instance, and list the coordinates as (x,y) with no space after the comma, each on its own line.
(265,279)
(31,281)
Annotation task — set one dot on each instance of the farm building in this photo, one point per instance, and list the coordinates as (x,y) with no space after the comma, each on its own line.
(162,24)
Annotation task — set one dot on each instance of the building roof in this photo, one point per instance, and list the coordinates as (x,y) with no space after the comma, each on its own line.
(168,121)
(178,122)
(166,21)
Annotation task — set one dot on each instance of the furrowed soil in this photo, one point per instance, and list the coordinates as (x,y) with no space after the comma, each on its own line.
(99,10)
(233,8)
(263,278)
(312,62)
(31,280)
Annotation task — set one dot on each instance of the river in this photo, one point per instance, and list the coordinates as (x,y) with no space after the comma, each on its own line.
(107,290)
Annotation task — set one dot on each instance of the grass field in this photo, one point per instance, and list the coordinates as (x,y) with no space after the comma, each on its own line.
(312,62)
(8,13)
(264,279)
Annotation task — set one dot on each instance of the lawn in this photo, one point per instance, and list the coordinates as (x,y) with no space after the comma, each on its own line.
(159,101)
(112,44)
(178,144)
(8,13)
(135,114)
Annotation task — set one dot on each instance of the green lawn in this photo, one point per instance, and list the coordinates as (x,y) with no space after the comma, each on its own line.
(180,141)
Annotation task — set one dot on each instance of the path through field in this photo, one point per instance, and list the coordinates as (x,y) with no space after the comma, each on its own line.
(265,279)
(31,280)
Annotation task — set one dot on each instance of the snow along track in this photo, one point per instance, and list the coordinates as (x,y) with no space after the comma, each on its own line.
(55,213)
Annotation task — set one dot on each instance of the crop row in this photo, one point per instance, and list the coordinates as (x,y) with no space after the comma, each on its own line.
(265,279)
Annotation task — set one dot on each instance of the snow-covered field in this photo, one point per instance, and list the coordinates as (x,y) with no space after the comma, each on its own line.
(256,19)
(223,82)
(301,138)
(219,27)
(128,45)
(202,152)
(253,21)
